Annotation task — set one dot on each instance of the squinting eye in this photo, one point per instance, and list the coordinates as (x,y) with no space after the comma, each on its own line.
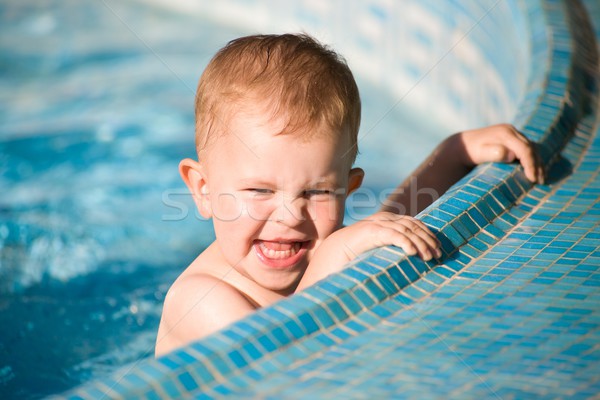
(318,193)
(260,191)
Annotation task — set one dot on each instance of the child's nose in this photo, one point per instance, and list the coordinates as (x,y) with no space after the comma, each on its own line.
(290,211)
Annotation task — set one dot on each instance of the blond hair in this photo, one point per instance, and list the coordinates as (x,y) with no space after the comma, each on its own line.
(293,75)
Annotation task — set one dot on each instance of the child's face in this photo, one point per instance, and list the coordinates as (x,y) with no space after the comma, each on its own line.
(275,197)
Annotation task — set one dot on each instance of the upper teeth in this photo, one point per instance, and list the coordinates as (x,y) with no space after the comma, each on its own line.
(280,254)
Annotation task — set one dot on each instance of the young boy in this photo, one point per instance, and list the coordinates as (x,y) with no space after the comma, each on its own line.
(277,119)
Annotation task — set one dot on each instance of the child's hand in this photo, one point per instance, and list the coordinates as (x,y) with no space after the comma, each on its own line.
(502,143)
(381,229)
(386,228)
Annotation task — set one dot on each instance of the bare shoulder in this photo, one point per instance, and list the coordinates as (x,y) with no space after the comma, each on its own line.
(196,305)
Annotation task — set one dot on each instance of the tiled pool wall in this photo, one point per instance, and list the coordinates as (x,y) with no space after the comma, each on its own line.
(512,309)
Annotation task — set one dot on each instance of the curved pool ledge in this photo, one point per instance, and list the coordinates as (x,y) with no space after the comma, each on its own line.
(511,310)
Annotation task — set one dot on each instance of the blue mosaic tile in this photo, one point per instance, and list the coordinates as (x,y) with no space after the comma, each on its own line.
(433,223)
(338,312)
(367,268)
(170,389)
(375,291)
(168,362)
(434,278)
(308,323)
(152,395)
(187,381)
(295,329)
(203,372)
(478,217)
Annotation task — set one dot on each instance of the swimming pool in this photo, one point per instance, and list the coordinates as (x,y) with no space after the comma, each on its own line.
(97,111)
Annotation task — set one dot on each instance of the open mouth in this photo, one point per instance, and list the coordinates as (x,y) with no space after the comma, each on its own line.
(279,254)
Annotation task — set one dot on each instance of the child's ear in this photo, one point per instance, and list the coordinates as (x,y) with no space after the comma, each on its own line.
(194,177)
(355,178)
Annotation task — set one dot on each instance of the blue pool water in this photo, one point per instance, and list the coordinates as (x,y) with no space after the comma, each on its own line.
(96,108)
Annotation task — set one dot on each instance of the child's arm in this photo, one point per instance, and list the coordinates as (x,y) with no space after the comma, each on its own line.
(455,157)
(380,229)
(449,162)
